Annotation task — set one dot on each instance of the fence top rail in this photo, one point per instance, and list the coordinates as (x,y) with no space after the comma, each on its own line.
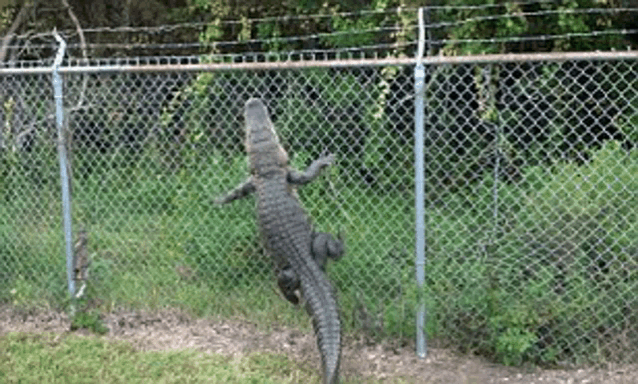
(256,66)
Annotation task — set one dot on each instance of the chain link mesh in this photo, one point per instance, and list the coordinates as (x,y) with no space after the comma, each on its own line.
(30,206)
(150,152)
(530,184)
(531,178)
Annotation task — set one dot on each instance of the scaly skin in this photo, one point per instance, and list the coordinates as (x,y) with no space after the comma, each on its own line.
(287,232)
(323,247)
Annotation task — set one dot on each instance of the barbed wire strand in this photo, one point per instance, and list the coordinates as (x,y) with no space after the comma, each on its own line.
(445,24)
(272,40)
(199,45)
(405,29)
(193,25)
(620,32)
(172,27)
(487,6)
(516,39)
(203,24)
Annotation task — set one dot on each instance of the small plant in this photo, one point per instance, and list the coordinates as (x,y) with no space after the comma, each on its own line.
(91,320)
(513,344)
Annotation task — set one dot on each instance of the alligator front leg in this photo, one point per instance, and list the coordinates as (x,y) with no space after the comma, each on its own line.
(313,170)
(242,190)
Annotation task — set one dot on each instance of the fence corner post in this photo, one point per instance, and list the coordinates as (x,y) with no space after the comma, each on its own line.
(62,154)
(419,169)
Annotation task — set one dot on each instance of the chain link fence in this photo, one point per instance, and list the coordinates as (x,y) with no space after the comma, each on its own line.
(149,152)
(531,172)
(31,254)
(532,233)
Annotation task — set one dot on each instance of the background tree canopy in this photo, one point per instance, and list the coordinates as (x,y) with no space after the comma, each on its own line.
(494,25)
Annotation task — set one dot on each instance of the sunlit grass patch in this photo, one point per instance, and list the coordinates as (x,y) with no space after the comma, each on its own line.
(49,358)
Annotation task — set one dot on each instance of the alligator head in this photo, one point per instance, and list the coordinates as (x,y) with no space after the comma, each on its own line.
(265,153)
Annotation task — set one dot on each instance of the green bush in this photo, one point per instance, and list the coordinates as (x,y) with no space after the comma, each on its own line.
(557,281)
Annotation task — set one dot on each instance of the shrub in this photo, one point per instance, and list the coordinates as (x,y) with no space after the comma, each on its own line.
(557,283)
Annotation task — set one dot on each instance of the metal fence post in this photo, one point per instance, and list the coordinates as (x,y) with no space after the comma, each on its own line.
(419,169)
(64,176)
(497,153)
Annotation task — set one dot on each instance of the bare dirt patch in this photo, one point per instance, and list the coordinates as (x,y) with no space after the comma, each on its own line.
(170,330)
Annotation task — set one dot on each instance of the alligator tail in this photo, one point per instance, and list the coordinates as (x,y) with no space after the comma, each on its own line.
(321,305)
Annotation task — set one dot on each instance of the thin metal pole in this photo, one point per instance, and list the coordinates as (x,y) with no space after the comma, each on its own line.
(419,169)
(497,152)
(64,176)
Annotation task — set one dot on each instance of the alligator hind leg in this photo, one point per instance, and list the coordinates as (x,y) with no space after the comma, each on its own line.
(325,245)
(289,284)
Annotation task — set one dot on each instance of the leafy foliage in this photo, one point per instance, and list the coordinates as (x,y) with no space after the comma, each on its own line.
(504,26)
(557,284)
(274,26)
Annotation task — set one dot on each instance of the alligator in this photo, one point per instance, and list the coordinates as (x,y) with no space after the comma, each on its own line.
(299,253)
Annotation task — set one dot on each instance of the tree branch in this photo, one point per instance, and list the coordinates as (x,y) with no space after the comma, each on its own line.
(80,32)
(78,27)
(12,30)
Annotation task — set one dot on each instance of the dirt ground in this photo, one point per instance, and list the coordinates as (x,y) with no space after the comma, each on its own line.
(173,330)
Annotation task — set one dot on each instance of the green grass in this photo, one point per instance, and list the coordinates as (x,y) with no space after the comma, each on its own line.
(47,358)
(156,240)
(69,359)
